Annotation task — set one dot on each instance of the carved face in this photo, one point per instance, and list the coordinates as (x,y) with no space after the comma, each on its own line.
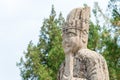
(84,36)
(75,30)
(71,42)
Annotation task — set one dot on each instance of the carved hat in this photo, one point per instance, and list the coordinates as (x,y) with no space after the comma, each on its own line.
(77,20)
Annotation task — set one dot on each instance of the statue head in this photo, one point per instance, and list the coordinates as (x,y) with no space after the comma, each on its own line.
(75,30)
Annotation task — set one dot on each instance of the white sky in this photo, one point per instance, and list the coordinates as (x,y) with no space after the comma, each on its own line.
(20,22)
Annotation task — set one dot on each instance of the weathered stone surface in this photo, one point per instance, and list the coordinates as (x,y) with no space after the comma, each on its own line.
(80,63)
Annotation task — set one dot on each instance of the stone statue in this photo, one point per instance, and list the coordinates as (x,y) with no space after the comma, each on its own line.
(80,62)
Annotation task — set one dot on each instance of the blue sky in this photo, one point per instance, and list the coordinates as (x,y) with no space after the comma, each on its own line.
(20,22)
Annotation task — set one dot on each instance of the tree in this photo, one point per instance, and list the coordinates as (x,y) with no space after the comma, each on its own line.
(114,53)
(42,60)
(109,39)
(51,35)
(114,9)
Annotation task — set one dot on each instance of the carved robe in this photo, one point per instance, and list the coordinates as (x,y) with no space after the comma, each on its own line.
(87,65)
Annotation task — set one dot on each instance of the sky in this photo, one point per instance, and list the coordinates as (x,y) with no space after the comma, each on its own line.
(20,22)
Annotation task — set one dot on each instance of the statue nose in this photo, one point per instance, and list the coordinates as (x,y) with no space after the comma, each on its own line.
(64,41)
(67,40)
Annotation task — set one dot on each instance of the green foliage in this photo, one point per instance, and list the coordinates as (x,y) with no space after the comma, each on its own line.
(113,56)
(105,40)
(114,9)
(42,61)
(52,42)
(94,37)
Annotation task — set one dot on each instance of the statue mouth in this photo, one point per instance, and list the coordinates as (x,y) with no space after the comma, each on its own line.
(68,45)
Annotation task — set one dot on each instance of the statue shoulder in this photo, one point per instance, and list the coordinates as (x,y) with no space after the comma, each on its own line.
(61,71)
(88,53)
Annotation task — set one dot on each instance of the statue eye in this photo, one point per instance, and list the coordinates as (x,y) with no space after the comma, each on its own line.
(70,34)
(65,30)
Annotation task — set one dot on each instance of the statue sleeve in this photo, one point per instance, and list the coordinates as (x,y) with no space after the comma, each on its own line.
(95,65)
(61,71)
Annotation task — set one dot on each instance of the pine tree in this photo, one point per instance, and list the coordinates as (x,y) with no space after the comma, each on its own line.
(109,39)
(113,56)
(43,60)
(114,10)
(52,49)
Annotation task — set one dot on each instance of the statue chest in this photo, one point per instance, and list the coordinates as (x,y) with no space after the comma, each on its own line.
(79,68)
